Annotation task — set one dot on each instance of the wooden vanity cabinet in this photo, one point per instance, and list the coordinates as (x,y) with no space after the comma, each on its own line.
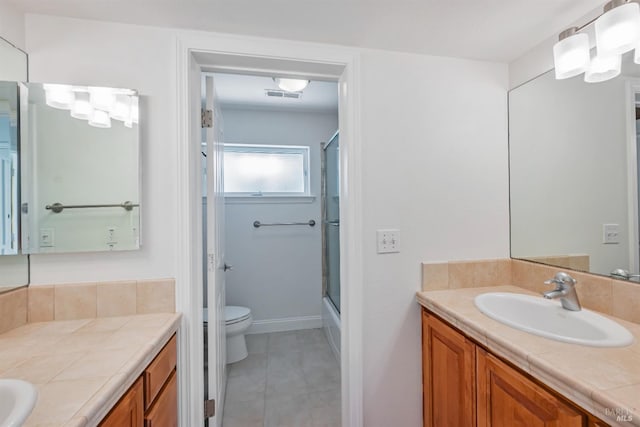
(129,411)
(152,401)
(448,360)
(508,398)
(465,385)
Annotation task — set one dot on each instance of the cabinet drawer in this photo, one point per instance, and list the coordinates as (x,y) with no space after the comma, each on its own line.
(158,371)
(128,412)
(164,412)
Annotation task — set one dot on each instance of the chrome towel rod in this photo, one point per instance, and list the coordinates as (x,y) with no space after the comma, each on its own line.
(59,207)
(258,224)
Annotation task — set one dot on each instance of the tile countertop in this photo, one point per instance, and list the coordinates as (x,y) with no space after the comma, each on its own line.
(604,381)
(81,368)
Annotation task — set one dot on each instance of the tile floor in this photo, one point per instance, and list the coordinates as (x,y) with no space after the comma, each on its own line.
(289,379)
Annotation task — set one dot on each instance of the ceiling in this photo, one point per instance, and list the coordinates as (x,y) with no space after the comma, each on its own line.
(495,30)
(235,90)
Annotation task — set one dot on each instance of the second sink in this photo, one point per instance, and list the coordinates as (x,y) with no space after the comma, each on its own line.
(548,319)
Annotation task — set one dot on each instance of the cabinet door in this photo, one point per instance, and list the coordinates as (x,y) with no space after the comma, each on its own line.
(508,398)
(448,369)
(164,412)
(129,411)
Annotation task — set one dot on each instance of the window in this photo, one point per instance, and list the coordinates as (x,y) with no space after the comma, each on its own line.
(266,170)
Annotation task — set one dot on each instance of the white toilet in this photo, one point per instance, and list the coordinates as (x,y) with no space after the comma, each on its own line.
(237,320)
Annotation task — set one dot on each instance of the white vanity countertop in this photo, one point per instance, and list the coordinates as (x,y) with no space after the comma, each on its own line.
(604,381)
(81,368)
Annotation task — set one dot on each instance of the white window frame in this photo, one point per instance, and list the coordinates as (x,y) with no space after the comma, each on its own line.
(273,149)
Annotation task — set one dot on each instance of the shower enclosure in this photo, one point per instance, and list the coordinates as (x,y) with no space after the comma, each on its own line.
(331,240)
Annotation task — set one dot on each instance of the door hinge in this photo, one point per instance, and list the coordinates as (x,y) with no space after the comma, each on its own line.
(207,118)
(209,408)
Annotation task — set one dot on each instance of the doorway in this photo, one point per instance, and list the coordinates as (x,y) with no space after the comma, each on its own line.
(265,56)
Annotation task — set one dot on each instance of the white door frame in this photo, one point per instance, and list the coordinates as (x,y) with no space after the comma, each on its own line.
(189,295)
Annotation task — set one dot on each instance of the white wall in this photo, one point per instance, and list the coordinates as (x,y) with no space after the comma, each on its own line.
(434,135)
(435,167)
(12,26)
(277,270)
(569,170)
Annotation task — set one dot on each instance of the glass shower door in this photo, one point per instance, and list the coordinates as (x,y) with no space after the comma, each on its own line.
(331,220)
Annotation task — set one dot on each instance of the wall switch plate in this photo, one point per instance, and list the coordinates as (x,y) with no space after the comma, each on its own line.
(610,234)
(47,238)
(388,241)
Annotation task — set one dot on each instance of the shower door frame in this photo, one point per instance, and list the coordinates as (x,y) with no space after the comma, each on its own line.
(301,60)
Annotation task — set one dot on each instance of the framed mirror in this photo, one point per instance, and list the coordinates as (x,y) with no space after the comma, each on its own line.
(80,163)
(14,268)
(573,149)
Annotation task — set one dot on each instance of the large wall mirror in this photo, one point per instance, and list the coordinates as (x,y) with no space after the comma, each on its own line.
(80,169)
(573,150)
(14,268)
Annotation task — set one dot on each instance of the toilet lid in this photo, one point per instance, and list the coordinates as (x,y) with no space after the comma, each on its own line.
(234,313)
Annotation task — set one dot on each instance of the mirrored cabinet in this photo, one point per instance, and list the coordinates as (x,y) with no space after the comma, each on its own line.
(69,168)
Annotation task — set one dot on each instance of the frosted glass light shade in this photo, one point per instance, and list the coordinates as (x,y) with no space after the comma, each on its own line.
(291,85)
(603,68)
(121,108)
(100,119)
(571,56)
(102,98)
(618,30)
(81,108)
(58,96)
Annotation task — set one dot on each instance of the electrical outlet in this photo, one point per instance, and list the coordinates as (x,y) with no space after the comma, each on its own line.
(111,235)
(610,234)
(388,241)
(47,238)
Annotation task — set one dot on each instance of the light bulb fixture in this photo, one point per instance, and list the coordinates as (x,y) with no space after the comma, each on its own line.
(102,98)
(121,109)
(81,108)
(58,96)
(100,119)
(291,85)
(571,54)
(602,68)
(618,29)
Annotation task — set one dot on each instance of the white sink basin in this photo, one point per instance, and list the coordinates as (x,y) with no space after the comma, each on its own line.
(17,399)
(548,319)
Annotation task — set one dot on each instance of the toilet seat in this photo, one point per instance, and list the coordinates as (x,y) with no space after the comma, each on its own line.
(235,314)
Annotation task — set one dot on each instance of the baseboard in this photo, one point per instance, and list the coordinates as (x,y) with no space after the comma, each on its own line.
(285,324)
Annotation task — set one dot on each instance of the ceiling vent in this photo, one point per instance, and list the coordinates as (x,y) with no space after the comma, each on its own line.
(275,93)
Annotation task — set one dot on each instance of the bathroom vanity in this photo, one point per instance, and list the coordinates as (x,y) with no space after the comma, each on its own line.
(478,372)
(112,371)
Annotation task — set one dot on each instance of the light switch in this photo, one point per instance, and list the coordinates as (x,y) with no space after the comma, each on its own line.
(610,234)
(388,241)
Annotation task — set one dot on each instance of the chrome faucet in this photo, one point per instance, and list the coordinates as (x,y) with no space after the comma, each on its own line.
(565,290)
(622,274)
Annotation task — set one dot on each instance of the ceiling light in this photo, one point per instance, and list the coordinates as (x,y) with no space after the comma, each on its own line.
(571,54)
(618,29)
(100,119)
(603,67)
(291,85)
(58,96)
(81,108)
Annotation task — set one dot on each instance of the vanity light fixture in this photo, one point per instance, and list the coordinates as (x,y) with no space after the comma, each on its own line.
(291,85)
(59,96)
(617,32)
(102,98)
(81,108)
(100,119)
